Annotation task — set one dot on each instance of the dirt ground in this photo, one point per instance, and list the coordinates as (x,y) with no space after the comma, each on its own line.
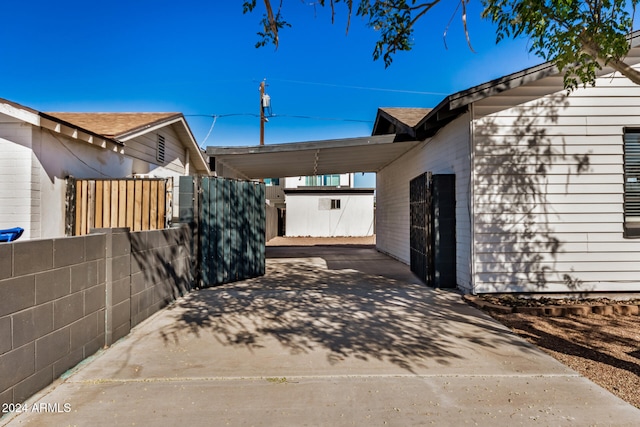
(605,349)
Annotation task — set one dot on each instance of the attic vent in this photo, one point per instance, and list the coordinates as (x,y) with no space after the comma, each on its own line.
(160,153)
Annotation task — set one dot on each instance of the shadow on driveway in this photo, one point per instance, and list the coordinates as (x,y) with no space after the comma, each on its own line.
(351,302)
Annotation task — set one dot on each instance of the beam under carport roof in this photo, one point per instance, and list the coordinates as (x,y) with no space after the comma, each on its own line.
(364,154)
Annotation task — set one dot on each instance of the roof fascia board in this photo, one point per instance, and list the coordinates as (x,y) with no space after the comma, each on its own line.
(178,119)
(325,190)
(148,128)
(493,87)
(302,146)
(25,115)
(76,132)
(193,146)
(400,127)
(502,84)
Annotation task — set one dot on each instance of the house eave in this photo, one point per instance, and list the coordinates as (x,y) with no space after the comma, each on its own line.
(68,129)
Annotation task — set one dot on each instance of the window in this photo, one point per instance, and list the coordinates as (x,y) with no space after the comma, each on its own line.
(160,152)
(322,181)
(272,182)
(632,182)
(335,203)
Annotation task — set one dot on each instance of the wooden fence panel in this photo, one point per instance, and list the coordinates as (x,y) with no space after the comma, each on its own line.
(140,204)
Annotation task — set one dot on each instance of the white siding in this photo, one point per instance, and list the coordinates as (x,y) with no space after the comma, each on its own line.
(144,148)
(549,193)
(16,183)
(446,153)
(310,215)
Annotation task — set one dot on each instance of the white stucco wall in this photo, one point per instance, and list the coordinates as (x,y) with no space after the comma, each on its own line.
(311,215)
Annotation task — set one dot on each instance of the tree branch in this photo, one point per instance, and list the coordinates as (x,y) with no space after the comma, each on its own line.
(593,50)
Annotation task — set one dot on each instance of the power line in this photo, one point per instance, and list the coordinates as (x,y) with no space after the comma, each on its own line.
(379,89)
(321,118)
(292,116)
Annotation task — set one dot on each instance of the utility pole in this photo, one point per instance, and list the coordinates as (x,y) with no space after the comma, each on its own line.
(262,118)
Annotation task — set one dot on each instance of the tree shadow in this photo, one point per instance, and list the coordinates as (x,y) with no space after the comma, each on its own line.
(161,269)
(523,172)
(583,342)
(307,306)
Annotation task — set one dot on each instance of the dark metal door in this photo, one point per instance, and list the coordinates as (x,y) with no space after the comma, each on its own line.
(420,231)
(433,229)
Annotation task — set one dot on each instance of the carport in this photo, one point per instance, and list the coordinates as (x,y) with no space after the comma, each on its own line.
(363,154)
(393,137)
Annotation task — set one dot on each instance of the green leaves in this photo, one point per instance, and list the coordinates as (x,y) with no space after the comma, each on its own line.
(581,36)
(394,20)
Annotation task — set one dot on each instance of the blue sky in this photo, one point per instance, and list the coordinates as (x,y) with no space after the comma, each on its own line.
(198,58)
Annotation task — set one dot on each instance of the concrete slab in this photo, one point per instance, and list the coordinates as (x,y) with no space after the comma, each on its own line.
(341,336)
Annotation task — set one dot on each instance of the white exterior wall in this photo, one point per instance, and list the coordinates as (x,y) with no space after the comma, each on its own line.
(549,193)
(309,215)
(36,162)
(143,150)
(55,157)
(446,153)
(16,178)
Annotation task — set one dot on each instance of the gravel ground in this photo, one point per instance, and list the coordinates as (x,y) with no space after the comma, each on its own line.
(605,349)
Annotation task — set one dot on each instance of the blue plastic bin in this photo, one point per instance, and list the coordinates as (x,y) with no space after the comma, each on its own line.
(11,234)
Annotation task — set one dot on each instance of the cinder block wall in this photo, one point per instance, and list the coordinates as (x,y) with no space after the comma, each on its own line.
(52,310)
(160,270)
(61,300)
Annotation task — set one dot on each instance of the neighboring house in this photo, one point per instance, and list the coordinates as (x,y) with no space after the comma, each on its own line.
(328,206)
(321,206)
(40,150)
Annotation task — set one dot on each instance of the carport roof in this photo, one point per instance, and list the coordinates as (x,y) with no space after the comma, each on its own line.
(363,154)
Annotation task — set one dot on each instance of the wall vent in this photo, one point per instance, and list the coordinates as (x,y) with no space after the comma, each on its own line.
(160,152)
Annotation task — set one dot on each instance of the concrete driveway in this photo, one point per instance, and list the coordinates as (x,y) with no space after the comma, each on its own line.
(330,336)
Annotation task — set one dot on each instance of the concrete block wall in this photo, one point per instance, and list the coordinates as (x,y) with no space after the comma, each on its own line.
(61,300)
(52,310)
(160,270)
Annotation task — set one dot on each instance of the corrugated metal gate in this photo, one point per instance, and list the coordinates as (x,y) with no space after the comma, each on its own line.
(230,224)
(432,236)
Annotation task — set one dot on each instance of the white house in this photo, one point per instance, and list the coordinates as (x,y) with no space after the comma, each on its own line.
(546,184)
(322,206)
(533,189)
(40,150)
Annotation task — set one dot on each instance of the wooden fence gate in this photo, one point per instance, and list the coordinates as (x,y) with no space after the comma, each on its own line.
(138,203)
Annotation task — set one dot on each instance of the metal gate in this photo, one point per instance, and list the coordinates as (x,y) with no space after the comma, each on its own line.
(433,229)
(420,232)
(231,230)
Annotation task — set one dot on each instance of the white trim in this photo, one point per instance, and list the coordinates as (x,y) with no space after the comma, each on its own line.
(20,114)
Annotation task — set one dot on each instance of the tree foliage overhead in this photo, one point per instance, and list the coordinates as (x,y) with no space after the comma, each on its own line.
(580,36)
